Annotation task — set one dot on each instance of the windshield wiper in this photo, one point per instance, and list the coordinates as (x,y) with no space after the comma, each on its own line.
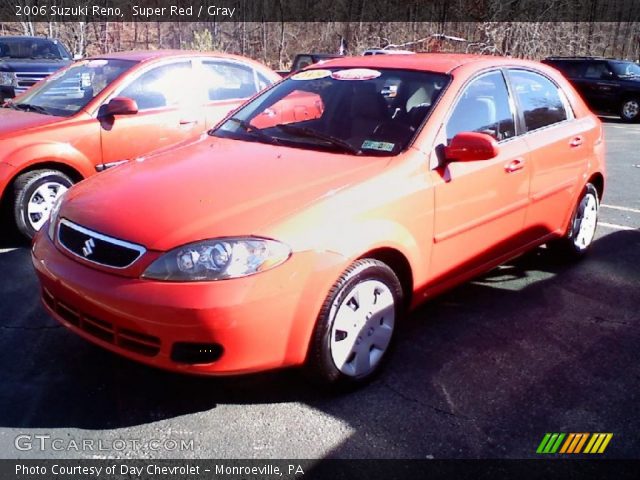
(30,107)
(252,130)
(311,133)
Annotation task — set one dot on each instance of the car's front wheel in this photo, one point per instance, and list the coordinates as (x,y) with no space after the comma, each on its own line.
(630,110)
(582,228)
(356,325)
(35,192)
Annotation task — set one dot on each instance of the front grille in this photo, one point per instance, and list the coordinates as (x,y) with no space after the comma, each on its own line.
(27,79)
(131,340)
(96,247)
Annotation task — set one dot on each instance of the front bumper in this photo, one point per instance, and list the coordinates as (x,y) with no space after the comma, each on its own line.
(259,322)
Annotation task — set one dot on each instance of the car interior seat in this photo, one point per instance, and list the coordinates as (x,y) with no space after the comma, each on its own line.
(368,109)
(417,106)
(479,115)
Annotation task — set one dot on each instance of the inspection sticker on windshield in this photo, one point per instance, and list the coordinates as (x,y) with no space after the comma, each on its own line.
(356,74)
(311,75)
(373,145)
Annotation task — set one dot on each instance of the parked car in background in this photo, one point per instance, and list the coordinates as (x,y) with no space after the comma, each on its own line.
(107,110)
(607,85)
(274,244)
(24,61)
(303,60)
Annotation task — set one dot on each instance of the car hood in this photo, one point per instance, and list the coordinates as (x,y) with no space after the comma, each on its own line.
(27,65)
(212,188)
(12,121)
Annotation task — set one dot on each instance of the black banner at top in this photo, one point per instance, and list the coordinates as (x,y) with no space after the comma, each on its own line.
(320,10)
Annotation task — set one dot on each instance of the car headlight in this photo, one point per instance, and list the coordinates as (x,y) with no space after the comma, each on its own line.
(53,216)
(218,259)
(8,79)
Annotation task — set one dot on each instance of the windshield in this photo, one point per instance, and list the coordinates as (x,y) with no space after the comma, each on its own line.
(626,69)
(33,48)
(354,110)
(66,92)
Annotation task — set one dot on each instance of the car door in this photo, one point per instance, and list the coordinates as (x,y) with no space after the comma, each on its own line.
(600,86)
(228,84)
(168,113)
(480,205)
(559,144)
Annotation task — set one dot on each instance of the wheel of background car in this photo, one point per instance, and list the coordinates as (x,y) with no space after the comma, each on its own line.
(356,325)
(583,225)
(630,110)
(35,192)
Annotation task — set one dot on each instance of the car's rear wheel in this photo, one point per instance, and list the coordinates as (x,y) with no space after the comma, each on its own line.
(356,325)
(583,225)
(35,192)
(630,110)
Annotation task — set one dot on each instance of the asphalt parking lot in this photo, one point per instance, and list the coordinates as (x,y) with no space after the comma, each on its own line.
(483,371)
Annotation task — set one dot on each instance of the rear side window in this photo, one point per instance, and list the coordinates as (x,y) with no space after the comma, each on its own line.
(227,81)
(569,68)
(597,71)
(484,107)
(539,99)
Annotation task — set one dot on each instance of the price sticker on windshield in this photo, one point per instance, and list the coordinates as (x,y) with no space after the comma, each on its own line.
(311,75)
(356,74)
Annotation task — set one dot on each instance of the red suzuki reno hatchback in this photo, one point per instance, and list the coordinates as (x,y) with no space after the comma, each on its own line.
(311,219)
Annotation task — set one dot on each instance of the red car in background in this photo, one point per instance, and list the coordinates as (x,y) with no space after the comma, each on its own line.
(291,237)
(107,110)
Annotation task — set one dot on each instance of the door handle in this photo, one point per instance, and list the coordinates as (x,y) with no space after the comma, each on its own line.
(514,165)
(576,142)
(188,121)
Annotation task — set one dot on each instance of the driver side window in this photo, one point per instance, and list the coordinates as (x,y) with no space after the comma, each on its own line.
(484,107)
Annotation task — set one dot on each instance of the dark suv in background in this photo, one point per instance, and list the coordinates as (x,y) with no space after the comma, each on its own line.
(607,85)
(25,61)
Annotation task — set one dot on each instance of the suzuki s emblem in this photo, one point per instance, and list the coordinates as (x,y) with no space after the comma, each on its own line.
(89,245)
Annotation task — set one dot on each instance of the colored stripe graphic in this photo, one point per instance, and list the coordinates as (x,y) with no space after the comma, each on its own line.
(543,443)
(567,443)
(574,443)
(598,442)
(550,443)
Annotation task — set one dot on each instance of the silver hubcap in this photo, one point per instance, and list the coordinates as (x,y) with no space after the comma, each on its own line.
(362,328)
(631,109)
(586,221)
(41,202)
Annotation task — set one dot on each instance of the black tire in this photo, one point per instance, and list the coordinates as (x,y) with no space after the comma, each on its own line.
(630,110)
(572,246)
(24,187)
(320,361)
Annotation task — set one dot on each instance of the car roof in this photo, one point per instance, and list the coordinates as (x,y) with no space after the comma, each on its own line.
(428,62)
(142,56)
(149,55)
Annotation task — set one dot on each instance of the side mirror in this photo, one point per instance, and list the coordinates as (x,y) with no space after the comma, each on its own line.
(469,146)
(77,56)
(119,106)
(606,75)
